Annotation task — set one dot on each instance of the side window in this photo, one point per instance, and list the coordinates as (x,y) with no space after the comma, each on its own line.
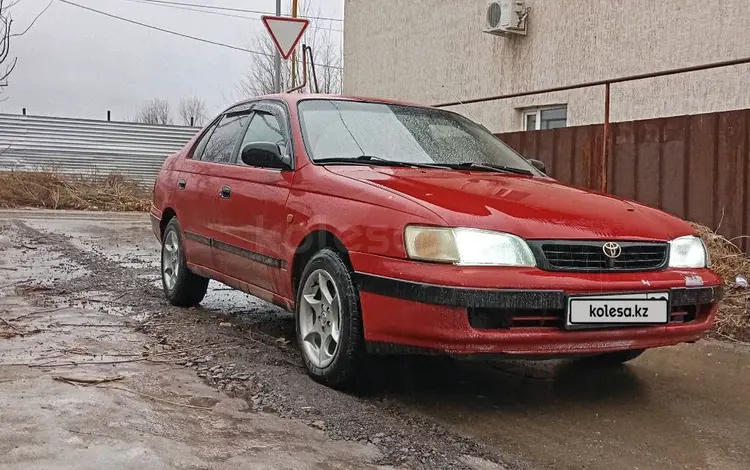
(201,146)
(266,127)
(224,139)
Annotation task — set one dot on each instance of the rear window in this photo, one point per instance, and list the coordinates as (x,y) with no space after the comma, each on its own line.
(223,141)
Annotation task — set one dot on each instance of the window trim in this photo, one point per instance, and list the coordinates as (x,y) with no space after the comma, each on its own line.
(209,129)
(270,106)
(214,125)
(537,111)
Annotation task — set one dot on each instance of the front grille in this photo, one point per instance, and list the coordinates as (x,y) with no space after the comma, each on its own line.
(589,256)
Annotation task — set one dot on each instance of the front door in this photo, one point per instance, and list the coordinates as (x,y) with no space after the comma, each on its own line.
(252,216)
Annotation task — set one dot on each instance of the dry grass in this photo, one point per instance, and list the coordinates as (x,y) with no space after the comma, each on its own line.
(729,261)
(57,191)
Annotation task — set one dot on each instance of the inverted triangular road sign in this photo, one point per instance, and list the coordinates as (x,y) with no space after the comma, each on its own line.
(285,32)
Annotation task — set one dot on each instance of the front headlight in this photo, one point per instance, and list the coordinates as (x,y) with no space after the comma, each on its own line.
(688,252)
(467,247)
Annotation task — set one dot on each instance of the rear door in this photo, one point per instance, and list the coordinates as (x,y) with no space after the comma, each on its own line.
(203,175)
(192,203)
(252,217)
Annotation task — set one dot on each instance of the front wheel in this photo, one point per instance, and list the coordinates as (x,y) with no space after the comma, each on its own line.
(329,320)
(182,287)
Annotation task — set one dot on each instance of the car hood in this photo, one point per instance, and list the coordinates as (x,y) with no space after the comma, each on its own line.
(533,208)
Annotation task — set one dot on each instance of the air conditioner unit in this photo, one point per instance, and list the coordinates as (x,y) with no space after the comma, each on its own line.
(506,17)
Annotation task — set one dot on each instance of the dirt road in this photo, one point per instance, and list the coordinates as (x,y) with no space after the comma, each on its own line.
(94,281)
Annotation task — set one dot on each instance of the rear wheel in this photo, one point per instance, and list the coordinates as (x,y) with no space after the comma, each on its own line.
(182,287)
(329,320)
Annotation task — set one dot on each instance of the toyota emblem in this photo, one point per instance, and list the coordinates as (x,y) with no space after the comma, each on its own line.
(612,250)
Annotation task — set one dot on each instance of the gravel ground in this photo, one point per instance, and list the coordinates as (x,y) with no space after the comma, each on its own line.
(245,350)
(672,408)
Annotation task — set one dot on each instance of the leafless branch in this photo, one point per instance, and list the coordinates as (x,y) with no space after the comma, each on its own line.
(192,111)
(32,21)
(6,22)
(8,70)
(156,111)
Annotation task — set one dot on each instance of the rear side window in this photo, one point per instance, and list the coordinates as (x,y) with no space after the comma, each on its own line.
(223,140)
(198,151)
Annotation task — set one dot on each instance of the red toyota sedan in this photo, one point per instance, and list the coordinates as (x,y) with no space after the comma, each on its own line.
(389,227)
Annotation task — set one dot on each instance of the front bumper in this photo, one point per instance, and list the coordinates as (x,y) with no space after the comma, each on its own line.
(405,310)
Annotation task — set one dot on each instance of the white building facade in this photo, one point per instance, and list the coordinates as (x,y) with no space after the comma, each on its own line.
(437,51)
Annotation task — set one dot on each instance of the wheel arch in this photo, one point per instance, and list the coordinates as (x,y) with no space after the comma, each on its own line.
(313,242)
(166,215)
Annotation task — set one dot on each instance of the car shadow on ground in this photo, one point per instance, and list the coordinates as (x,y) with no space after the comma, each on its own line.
(467,384)
(504,385)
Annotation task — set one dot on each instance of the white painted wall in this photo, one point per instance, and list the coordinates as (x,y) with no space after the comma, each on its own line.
(432,51)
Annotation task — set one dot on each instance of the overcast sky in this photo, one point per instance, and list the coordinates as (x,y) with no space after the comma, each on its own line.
(76,63)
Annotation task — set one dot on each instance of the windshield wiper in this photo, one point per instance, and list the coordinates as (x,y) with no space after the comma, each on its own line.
(374,160)
(492,167)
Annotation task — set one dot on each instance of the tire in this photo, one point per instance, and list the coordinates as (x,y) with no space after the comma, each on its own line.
(185,289)
(618,357)
(338,368)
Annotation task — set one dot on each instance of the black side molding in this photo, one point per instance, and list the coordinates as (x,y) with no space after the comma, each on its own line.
(459,296)
(236,250)
(503,298)
(198,238)
(251,255)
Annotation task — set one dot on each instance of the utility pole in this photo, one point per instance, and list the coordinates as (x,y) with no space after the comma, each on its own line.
(277,59)
(294,53)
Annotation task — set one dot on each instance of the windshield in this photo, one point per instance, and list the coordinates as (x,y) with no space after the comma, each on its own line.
(339,129)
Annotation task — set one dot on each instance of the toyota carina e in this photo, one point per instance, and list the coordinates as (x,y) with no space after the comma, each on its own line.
(390,227)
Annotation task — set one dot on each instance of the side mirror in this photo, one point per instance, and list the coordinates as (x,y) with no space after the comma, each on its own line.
(539,165)
(265,155)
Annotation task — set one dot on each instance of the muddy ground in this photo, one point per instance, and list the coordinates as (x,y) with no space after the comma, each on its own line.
(222,386)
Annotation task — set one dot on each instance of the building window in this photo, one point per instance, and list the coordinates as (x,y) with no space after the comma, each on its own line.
(535,119)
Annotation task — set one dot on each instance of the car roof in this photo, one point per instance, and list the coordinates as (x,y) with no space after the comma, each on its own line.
(293,98)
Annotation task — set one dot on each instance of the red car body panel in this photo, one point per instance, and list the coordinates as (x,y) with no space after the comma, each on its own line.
(528,207)
(434,327)
(255,235)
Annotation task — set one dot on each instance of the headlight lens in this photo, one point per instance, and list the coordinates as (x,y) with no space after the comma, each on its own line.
(467,247)
(688,252)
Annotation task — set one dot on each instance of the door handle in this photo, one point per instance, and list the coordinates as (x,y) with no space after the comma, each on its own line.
(225,192)
(181,184)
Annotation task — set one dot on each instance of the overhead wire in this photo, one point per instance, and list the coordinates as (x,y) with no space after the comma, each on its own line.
(183,35)
(242,10)
(217,13)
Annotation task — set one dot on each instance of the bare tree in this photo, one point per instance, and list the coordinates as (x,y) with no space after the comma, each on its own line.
(259,80)
(6,23)
(192,111)
(156,111)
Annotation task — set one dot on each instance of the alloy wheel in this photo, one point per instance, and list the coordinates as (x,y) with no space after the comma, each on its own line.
(170,259)
(320,318)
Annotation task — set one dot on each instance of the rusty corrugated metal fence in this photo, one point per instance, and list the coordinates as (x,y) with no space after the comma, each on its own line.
(87,147)
(696,167)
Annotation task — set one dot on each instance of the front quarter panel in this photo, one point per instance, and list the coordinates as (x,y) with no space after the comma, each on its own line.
(366,219)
